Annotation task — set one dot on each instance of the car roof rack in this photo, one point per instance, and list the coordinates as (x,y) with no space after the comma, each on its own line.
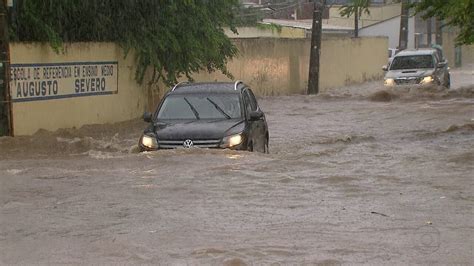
(179,84)
(237,84)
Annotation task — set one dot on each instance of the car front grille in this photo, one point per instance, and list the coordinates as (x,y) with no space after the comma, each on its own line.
(173,144)
(407,81)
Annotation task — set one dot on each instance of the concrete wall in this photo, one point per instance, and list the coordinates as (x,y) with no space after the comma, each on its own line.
(127,102)
(468,55)
(280,66)
(270,66)
(352,60)
(449,47)
(254,32)
(391,29)
(449,44)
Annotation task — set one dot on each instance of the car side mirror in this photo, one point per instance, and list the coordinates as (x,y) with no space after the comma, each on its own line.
(255,115)
(147,116)
(385,68)
(441,65)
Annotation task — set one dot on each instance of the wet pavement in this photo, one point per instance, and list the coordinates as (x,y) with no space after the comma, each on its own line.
(359,174)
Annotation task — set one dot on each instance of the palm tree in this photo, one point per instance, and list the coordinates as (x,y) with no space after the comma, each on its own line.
(356,8)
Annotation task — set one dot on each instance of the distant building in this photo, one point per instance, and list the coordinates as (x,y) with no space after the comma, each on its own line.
(373,2)
(307,25)
(391,29)
(293,29)
(303,9)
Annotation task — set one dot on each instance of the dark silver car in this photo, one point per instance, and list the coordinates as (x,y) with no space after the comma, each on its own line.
(422,67)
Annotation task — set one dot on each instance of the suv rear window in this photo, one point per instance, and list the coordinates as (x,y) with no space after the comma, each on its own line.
(412,62)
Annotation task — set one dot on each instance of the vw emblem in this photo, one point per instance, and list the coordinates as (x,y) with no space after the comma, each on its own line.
(188,144)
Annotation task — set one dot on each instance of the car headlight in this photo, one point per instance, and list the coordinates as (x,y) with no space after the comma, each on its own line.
(389,82)
(427,80)
(149,142)
(232,140)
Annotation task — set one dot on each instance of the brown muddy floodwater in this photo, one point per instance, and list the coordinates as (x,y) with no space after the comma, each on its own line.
(358,175)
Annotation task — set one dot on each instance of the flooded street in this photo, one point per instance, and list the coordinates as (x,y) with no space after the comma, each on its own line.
(357,175)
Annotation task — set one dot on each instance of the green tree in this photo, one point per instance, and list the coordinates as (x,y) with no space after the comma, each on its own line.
(355,8)
(173,37)
(459,13)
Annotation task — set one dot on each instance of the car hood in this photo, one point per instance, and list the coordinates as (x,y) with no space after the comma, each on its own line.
(204,129)
(407,73)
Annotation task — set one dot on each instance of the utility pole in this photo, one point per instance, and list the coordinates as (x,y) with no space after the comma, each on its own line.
(429,21)
(356,22)
(316,34)
(403,39)
(5,103)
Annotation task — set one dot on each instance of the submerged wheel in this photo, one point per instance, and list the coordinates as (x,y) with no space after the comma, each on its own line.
(261,146)
(448,82)
(250,147)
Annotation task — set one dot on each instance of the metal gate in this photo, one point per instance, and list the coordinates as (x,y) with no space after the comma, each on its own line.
(4,104)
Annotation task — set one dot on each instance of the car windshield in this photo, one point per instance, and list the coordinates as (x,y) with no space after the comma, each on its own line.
(200,106)
(412,62)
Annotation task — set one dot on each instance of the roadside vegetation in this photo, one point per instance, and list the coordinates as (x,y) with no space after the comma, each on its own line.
(355,8)
(174,38)
(457,13)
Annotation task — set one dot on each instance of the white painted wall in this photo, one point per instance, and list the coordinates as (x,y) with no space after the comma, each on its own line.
(391,29)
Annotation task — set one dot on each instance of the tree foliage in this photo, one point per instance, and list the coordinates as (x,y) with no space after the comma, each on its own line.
(173,37)
(249,16)
(355,5)
(458,13)
(355,8)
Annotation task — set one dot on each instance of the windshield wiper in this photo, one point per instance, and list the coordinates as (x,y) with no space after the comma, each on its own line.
(192,108)
(218,108)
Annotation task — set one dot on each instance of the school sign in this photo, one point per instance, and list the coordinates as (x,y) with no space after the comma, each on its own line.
(37,82)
